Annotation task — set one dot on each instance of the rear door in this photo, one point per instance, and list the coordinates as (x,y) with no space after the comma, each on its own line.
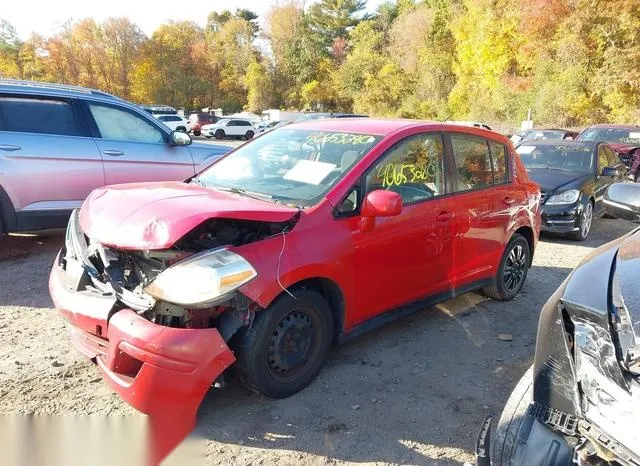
(134,147)
(48,161)
(481,206)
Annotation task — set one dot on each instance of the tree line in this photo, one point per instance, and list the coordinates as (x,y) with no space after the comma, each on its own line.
(572,62)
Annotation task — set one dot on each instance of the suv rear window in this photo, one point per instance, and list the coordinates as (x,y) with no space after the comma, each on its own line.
(33,115)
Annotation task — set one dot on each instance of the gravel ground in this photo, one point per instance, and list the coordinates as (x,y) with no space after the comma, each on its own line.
(413,392)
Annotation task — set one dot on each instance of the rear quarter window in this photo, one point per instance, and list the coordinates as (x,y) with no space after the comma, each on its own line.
(34,115)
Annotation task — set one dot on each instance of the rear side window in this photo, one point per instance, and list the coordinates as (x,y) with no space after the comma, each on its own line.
(473,162)
(44,116)
(499,162)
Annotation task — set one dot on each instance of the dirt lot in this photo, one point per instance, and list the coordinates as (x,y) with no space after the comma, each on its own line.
(413,392)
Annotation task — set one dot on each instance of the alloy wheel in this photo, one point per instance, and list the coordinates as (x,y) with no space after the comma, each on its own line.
(515,268)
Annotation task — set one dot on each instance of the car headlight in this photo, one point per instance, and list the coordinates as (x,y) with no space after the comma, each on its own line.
(202,279)
(567,197)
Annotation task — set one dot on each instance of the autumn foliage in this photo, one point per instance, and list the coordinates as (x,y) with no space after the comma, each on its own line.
(572,62)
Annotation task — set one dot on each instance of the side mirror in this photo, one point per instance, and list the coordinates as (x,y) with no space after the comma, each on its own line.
(610,171)
(379,203)
(622,200)
(179,138)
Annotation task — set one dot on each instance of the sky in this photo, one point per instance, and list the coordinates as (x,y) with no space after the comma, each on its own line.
(47,16)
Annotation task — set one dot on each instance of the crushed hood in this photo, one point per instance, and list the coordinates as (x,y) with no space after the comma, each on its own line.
(155,215)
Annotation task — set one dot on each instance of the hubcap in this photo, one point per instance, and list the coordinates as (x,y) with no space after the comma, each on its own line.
(587,217)
(515,268)
(291,343)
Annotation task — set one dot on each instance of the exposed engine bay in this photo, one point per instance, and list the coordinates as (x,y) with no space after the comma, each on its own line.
(126,273)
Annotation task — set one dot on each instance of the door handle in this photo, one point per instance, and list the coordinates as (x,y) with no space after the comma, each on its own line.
(113,153)
(508,201)
(9,147)
(444,216)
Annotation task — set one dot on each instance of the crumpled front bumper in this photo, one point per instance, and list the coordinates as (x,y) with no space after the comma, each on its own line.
(151,366)
(161,371)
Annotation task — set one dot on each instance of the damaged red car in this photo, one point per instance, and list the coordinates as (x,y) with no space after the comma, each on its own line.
(623,139)
(305,236)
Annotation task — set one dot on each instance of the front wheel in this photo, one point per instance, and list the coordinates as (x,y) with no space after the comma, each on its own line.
(249,135)
(586,218)
(219,134)
(513,415)
(512,272)
(282,351)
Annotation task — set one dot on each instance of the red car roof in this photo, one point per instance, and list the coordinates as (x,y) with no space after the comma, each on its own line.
(380,127)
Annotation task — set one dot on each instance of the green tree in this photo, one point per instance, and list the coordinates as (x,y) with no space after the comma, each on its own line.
(332,19)
(259,88)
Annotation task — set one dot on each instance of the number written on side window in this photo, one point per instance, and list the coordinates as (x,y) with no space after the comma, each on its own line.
(120,125)
(413,168)
(473,162)
(44,116)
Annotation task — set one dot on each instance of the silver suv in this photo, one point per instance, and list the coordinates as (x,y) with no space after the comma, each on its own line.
(58,143)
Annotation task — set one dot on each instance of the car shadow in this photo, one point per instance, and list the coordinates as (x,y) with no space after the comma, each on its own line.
(415,391)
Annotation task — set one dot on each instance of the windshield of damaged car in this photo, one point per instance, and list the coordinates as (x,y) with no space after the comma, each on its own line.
(623,136)
(559,157)
(295,166)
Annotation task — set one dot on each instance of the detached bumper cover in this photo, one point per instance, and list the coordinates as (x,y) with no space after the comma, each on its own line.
(154,368)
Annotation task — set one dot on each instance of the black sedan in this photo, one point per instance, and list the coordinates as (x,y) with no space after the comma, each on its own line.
(580,401)
(573,178)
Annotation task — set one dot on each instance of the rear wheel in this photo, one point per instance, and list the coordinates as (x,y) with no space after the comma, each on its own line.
(182,129)
(586,218)
(219,134)
(512,272)
(249,135)
(196,132)
(513,415)
(286,345)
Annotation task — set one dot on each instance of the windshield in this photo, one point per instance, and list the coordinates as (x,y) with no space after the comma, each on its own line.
(293,166)
(531,135)
(624,136)
(558,157)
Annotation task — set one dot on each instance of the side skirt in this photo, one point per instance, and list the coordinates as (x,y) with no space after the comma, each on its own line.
(407,309)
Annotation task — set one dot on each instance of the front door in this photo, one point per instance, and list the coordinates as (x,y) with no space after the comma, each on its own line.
(135,149)
(408,257)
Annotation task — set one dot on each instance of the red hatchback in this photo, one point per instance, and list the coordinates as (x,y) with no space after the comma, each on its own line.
(305,236)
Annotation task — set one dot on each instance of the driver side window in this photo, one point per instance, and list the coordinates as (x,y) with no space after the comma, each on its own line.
(413,167)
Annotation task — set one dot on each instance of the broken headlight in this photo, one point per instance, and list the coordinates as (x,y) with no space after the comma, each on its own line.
(202,279)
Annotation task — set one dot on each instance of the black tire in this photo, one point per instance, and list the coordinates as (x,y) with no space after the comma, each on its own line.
(284,348)
(584,227)
(197,133)
(512,267)
(511,420)
(181,129)
(219,134)
(249,135)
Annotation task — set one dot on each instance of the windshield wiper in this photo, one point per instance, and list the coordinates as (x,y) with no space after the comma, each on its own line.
(244,192)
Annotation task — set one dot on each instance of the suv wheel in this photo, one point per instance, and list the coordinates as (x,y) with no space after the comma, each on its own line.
(286,345)
(586,218)
(513,270)
(219,134)
(249,135)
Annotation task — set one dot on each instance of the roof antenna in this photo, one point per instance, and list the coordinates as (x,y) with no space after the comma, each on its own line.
(447,119)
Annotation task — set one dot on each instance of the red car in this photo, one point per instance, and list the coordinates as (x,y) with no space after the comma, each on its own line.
(306,236)
(198,120)
(624,139)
